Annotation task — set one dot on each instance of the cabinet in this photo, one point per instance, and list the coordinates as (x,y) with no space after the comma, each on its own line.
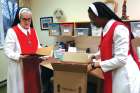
(79,32)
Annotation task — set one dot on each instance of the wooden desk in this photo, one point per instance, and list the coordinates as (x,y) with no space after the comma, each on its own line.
(70,77)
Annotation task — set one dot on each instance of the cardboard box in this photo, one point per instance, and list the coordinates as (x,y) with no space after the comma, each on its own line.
(78,57)
(46,64)
(70,77)
(82,58)
(46,51)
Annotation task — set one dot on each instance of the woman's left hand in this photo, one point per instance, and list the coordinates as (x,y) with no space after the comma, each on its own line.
(95,63)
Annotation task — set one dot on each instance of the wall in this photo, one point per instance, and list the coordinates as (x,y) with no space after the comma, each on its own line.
(133,9)
(3,66)
(75,10)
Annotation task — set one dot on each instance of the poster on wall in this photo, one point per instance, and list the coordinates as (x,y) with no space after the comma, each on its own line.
(45,21)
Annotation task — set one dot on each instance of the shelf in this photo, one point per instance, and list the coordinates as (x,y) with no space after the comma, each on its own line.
(70,29)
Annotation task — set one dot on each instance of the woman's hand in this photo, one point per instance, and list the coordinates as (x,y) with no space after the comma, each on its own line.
(24,56)
(93,64)
(89,67)
(96,63)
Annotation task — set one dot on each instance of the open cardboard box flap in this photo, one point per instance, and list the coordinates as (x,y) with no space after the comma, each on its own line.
(78,57)
(46,51)
(70,67)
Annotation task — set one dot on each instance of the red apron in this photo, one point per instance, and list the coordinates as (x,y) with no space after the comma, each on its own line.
(29,45)
(106,53)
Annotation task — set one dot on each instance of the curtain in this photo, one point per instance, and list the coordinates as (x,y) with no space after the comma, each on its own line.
(1,28)
(9,8)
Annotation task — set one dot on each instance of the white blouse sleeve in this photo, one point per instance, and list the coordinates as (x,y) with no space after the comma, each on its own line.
(120,49)
(10,47)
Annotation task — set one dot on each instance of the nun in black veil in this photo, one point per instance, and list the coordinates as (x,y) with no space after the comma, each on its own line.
(118,62)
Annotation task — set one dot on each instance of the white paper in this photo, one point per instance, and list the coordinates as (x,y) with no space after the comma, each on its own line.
(66,30)
(72,49)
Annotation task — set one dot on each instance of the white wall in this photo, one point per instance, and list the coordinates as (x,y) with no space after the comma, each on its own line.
(3,66)
(134,9)
(75,10)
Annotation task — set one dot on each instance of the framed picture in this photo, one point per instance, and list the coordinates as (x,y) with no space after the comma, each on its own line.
(44,21)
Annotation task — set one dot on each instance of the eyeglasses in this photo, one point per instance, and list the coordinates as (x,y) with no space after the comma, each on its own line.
(26,19)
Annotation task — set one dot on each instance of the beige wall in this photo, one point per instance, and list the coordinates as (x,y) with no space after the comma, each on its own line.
(3,66)
(75,10)
(134,9)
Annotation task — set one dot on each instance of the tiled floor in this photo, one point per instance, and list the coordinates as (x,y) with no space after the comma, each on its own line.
(3,89)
